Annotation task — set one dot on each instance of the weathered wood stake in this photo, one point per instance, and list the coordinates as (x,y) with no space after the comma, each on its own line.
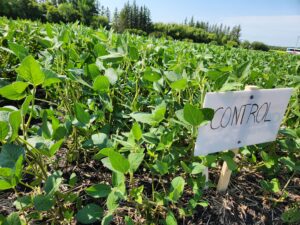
(226,172)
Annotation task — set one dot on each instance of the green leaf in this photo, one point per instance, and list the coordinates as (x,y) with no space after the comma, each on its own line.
(25,105)
(4,129)
(151,74)
(291,216)
(30,71)
(143,118)
(272,186)
(197,168)
(118,162)
(72,180)
(50,78)
(53,182)
(81,115)
(170,219)
(10,154)
(161,167)
(43,202)
(133,53)
(98,190)
(15,120)
(128,221)
(18,50)
(195,116)
(112,201)
(137,132)
(288,163)
(101,84)
(55,147)
(230,162)
(107,219)
(23,202)
(13,219)
(14,91)
(179,84)
(112,75)
(135,160)
(112,58)
(4,185)
(159,112)
(89,214)
(243,70)
(177,187)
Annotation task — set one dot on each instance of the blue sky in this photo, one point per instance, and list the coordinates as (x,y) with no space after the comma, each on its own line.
(275,22)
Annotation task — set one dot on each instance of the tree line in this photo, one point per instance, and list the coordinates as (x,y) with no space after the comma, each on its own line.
(132,18)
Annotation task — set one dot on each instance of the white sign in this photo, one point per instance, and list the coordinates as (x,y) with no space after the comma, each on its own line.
(242,118)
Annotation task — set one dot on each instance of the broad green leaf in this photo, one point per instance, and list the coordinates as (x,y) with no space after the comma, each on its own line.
(25,105)
(128,221)
(10,154)
(107,219)
(101,84)
(230,162)
(137,132)
(4,185)
(23,202)
(159,112)
(112,58)
(177,187)
(161,167)
(13,219)
(53,182)
(291,215)
(288,162)
(143,118)
(55,147)
(15,120)
(170,219)
(112,201)
(243,70)
(112,75)
(4,129)
(179,84)
(43,202)
(135,160)
(151,74)
(30,71)
(133,53)
(73,179)
(89,214)
(50,78)
(20,51)
(98,190)
(14,91)
(81,115)
(195,116)
(118,162)
(197,168)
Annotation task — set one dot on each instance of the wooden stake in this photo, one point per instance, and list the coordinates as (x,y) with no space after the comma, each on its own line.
(226,172)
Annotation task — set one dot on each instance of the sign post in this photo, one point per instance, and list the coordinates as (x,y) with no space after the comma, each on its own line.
(225,171)
(241,118)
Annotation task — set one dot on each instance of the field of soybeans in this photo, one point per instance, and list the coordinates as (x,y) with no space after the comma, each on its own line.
(97,128)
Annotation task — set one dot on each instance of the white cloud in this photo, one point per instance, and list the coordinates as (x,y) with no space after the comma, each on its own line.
(273,30)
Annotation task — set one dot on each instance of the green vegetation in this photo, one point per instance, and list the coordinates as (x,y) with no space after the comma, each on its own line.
(98,127)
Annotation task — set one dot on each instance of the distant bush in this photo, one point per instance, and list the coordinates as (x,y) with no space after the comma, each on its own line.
(232,44)
(246,44)
(181,32)
(136,31)
(99,21)
(256,45)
